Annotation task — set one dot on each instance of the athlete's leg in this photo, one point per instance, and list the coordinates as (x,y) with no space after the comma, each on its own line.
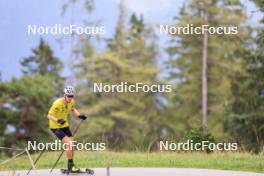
(71,138)
(69,153)
(68,139)
(65,135)
(69,150)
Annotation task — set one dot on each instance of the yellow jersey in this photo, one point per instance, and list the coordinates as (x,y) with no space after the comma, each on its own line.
(60,110)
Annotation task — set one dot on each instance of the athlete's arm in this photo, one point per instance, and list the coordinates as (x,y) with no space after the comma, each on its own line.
(75,113)
(51,117)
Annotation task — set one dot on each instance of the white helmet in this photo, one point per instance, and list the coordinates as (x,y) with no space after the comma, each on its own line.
(69,90)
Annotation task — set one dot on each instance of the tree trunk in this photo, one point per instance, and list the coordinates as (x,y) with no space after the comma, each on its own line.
(204,73)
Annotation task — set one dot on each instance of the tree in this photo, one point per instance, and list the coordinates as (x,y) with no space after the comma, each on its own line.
(223,59)
(260,3)
(42,61)
(245,117)
(204,70)
(24,104)
(123,119)
(25,101)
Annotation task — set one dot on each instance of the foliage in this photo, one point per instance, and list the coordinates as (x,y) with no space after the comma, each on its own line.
(42,61)
(224,60)
(244,115)
(197,135)
(23,110)
(123,120)
(26,100)
(136,121)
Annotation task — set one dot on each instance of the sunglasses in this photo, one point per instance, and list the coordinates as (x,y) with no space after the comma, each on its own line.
(70,96)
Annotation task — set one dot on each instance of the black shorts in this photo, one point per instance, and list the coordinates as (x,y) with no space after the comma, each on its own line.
(62,132)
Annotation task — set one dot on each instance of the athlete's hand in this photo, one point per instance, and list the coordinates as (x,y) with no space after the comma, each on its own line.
(61,121)
(83,117)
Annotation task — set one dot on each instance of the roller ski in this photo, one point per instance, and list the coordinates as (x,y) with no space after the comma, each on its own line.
(72,169)
(77,171)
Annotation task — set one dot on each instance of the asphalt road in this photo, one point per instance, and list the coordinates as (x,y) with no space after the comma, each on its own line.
(140,172)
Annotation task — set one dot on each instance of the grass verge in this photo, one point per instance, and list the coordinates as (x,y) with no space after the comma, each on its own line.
(226,161)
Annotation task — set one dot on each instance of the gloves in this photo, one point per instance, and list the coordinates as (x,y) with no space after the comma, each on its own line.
(61,121)
(83,117)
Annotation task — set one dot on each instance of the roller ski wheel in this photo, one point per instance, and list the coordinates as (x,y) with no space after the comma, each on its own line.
(65,171)
(89,171)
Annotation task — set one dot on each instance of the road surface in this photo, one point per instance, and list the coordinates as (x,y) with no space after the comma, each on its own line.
(140,172)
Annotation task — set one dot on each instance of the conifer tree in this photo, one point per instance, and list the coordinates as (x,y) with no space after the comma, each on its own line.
(43,62)
(123,119)
(224,56)
(244,115)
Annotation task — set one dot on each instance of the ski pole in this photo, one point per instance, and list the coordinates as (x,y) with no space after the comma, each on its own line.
(76,129)
(41,153)
(36,161)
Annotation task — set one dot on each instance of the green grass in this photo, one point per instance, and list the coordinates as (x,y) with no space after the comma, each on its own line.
(226,161)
